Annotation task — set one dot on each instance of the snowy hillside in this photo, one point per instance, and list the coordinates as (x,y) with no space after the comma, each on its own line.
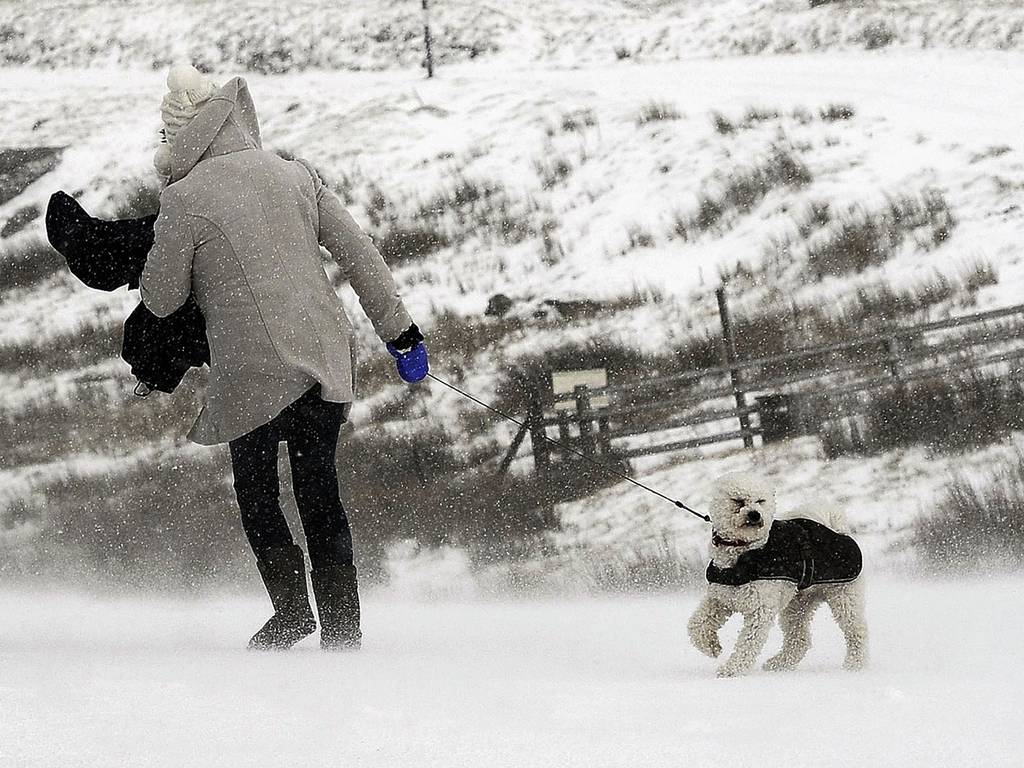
(570,178)
(270,37)
(623,185)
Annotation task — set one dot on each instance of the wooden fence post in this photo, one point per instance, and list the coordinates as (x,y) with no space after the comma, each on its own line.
(893,347)
(514,448)
(541,449)
(585,418)
(734,373)
(604,441)
(564,440)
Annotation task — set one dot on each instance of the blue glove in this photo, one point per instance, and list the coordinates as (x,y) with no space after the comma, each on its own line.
(413,364)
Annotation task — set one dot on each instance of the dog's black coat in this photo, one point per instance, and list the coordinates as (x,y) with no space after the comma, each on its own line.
(109,254)
(799,550)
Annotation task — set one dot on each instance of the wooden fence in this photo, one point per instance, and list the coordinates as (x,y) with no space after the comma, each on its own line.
(714,401)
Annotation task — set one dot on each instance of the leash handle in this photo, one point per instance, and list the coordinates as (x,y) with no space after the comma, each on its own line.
(582,455)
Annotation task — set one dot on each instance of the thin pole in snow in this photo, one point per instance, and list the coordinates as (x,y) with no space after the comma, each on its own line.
(426,39)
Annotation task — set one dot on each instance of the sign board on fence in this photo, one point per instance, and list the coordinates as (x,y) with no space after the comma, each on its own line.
(563,382)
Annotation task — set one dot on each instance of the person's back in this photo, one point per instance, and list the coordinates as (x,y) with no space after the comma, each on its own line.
(250,224)
(262,209)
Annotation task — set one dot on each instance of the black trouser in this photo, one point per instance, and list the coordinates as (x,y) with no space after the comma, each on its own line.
(310,427)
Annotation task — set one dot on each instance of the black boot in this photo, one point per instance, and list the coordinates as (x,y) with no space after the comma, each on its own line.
(284,573)
(337,602)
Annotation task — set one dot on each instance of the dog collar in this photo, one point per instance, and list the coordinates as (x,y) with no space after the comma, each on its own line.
(718,540)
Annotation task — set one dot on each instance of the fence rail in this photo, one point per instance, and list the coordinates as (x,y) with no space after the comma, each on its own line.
(879,337)
(892,356)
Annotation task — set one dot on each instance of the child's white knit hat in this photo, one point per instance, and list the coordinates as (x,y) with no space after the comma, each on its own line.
(187,90)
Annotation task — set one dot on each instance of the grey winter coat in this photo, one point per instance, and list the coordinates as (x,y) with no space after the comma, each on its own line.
(240,228)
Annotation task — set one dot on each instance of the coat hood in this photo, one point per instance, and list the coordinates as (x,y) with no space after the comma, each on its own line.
(226,123)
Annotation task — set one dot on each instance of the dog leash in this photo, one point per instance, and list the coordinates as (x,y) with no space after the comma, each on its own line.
(582,455)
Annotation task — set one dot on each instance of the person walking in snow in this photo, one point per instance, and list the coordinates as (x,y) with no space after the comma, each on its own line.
(240,229)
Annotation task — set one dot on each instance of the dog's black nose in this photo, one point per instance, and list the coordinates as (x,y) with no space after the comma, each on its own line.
(753,516)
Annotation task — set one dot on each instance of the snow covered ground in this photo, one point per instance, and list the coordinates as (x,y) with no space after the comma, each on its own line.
(567,682)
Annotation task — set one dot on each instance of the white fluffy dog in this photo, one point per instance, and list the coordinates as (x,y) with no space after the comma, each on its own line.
(763,567)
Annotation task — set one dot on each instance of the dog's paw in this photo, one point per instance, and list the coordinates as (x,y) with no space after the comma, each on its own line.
(729,670)
(778,663)
(708,645)
(855,663)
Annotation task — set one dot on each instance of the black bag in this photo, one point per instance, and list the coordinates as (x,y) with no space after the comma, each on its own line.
(108,254)
(160,350)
